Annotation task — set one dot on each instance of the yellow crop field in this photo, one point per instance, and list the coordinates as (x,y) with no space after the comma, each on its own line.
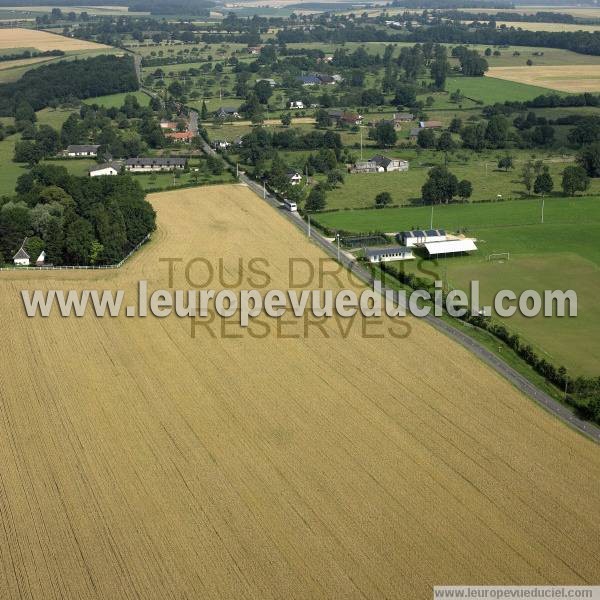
(17,37)
(548,26)
(564,78)
(139,461)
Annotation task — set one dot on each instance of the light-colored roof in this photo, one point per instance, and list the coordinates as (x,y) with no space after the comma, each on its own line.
(388,251)
(21,253)
(449,246)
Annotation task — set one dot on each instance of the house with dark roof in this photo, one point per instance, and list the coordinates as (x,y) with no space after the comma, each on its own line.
(153,164)
(380,164)
(227,112)
(76,150)
(309,80)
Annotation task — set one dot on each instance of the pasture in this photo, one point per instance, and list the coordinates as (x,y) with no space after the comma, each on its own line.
(490,89)
(359,189)
(41,40)
(116,100)
(568,78)
(167,466)
(553,255)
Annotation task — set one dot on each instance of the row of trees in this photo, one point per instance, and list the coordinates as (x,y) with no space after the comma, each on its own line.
(56,82)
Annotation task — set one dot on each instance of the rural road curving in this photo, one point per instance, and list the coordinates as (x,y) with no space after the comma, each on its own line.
(523,384)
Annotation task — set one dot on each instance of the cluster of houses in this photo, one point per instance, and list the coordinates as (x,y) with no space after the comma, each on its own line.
(435,242)
(172,130)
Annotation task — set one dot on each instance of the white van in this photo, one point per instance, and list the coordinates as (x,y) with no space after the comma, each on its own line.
(291,206)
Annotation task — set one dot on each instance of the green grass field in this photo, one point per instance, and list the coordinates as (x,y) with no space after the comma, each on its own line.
(562,253)
(116,100)
(359,190)
(489,90)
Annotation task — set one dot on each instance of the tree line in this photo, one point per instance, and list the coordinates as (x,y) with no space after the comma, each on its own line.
(75,220)
(66,80)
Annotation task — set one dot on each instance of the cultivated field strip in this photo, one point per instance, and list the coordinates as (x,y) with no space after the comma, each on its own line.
(138,462)
(18,37)
(565,78)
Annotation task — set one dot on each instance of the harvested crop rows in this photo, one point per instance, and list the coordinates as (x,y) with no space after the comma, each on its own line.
(564,78)
(139,462)
(43,41)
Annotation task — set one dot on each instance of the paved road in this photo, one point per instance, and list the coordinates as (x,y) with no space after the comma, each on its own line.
(524,385)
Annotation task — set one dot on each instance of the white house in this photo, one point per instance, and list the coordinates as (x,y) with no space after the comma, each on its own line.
(296,104)
(21,258)
(376,255)
(104,169)
(294,177)
(76,150)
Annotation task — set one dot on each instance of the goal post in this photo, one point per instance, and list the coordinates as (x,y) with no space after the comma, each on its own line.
(498,256)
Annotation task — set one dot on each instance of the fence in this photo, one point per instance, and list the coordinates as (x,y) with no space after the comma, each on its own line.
(79,267)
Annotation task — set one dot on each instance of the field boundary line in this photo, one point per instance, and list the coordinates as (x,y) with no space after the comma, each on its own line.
(81,267)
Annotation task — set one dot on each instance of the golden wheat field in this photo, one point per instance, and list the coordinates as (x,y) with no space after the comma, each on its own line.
(564,78)
(140,462)
(548,26)
(17,37)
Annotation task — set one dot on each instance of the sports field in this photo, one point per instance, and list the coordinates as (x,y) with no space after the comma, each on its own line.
(139,462)
(42,40)
(567,78)
(554,255)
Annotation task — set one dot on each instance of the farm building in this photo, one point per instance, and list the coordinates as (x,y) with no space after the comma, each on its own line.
(41,259)
(376,255)
(418,237)
(403,117)
(430,124)
(296,104)
(104,169)
(21,258)
(153,164)
(380,164)
(271,82)
(455,246)
(76,150)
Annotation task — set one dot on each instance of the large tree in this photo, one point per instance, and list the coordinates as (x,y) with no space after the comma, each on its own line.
(574,179)
(441,186)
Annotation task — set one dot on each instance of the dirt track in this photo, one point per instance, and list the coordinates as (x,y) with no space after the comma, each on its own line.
(141,463)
